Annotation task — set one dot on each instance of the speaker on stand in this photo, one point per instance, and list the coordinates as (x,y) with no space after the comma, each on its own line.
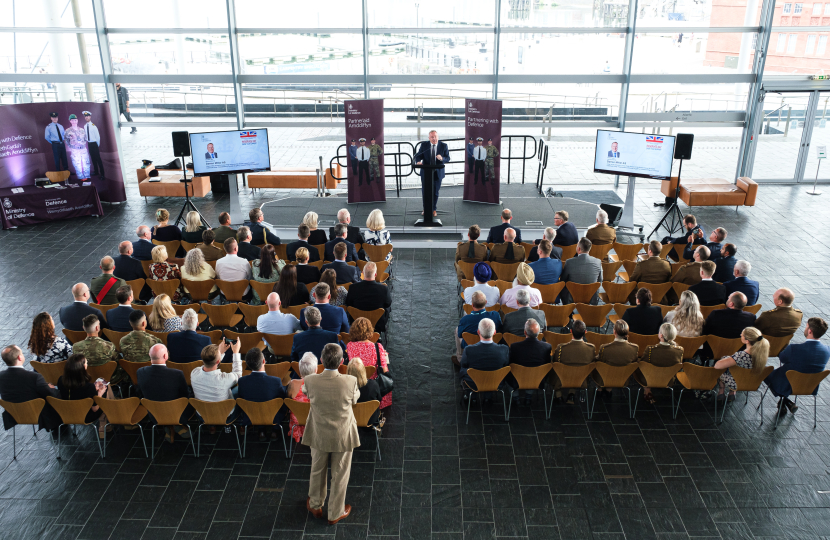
(181,149)
(673,218)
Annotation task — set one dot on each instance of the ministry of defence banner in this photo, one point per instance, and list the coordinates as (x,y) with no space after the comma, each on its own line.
(27,150)
(482,137)
(364,140)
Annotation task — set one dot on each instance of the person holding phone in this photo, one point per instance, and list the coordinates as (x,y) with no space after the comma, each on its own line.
(75,383)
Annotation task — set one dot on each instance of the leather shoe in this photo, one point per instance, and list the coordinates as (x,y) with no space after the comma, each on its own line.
(347,510)
(792,407)
(455,361)
(316,513)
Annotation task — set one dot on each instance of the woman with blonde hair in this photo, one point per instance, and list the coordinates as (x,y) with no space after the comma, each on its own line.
(196,269)
(377,235)
(163,318)
(193,228)
(686,317)
(753,357)
(369,389)
(306,273)
(164,232)
(664,354)
(361,346)
(161,270)
(316,237)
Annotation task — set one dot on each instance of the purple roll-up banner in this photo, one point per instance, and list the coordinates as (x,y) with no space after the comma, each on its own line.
(364,144)
(482,148)
(26,154)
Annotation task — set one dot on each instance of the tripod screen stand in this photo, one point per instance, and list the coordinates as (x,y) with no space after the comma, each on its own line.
(188,205)
(673,218)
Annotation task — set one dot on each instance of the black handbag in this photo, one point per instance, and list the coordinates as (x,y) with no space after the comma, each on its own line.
(385,382)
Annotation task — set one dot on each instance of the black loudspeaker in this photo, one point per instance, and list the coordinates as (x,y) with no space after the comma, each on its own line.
(181,143)
(683,146)
(614,213)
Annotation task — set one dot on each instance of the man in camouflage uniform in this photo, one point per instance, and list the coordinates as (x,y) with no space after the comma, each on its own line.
(576,352)
(97,351)
(135,346)
(375,151)
(490,163)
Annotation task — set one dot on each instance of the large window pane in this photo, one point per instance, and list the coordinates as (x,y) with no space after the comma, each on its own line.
(49,53)
(49,92)
(181,102)
(430,13)
(46,13)
(302,53)
(314,14)
(693,53)
(561,102)
(688,98)
(541,54)
(416,53)
(694,13)
(166,14)
(163,54)
(439,101)
(297,102)
(581,15)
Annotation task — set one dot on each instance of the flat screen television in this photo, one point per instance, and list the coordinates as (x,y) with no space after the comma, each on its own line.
(634,154)
(230,152)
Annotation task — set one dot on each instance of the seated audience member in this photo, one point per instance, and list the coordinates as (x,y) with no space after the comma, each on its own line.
(546,269)
(247,250)
(743,284)
(341,231)
(344,218)
(730,322)
(643,318)
(75,384)
(260,387)
(555,252)
(303,233)
(161,270)
(339,294)
(19,385)
(686,317)
(157,382)
(783,320)
(193,228)
(306,273)
(725,265)
(376,234)
(224,231)
(566,234)
(689,274)
(708,291)
(601,234)
(136,345)
(93,348)
(308,366)
(576,352)
(259,232)
(690,222)
(274,321)
(514,322)
(334,318)
(530,352)
(482,274)
(522,282)
(753,357)
(496,234)
(163,317)
(714,244)
(582,269)
(210,383)
(369,389)
(619,352)
(664,354)
(368,295)
(44,344)
(808,357)
(484,355)
(143,247)
(266,269)
(72,316)
(469,323)
(470,251)
(119,318)
(652,270)
(196,269)
(317,237)
(232,267)
(164,232)
(508,252)
(103,287)
(290,290)
(361,346)
(208,248)
(127,267)
(314,338)
(345,273)
(186,345)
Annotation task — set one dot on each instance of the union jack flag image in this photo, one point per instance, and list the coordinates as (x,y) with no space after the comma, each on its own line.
(244,134)
(654,139)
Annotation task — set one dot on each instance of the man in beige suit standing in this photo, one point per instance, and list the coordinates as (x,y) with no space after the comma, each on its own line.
(331,433)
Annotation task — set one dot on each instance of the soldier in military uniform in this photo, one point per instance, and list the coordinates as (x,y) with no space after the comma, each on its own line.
(490,163)
(56,135)
(652,270)
(782,321)
(470,251)
(78,153)
(688,274)
(576,352)
(94,140)
(665,354)
(353,158)
(508,252)
(208,246)
(97,351)
(136,345)
(470,158)
(479,157)
(375,151)
(363,155)
(619,352)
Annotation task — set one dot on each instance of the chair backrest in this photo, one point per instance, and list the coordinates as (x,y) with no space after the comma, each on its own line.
(557,316)
(573,376)
(619,309)
(529,378)
(280,370)
(600,251)
(115,337)
(172,246)
(469,309)
(26,412)
(505,309)
(678,251)
(472,339)
(549,292)
(146,309)
(181,308)
(723,347)
(694,377)
(464,284)
(199,290)
(136,285)
(555,339)
(706,310)
(642,341)
(377,253)
(746,381)
(222,315)
(373,316)
(293,310)
(615,376)
(753,309)
(618,292)
(664,310)
(598,340)
(609,270)
(103,308)
(346,338)
(804,384)
(503,286)
(214,335)
(281,345)
(679,288)
(628,269)
(186,368)
(567,251)
(488,381)
(658,290)
(104,371)
(122,412)
(249,340)
(321,250)
(233,290)
(582,293)
(252,313)
(593,315)
(188,245)
(281,251)
(510,339)
(57,176)
(146,266)
(467,269)
(166,413)
(363,412)
(160,335)
(51,372)
(300,410)
(262,289)
(676,266)
(690,345)
(295,367)
(777,344)
(74,336)
(167,287)
(132,368)
(72,412)
(213,413)
(260,413)
(626,252)
(658,377)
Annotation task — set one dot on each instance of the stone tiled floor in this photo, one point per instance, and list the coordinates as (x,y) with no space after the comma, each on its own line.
(569,477)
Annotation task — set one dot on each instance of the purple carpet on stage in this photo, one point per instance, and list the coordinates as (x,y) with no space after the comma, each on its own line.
(482,147)
(364,120)
(35,205)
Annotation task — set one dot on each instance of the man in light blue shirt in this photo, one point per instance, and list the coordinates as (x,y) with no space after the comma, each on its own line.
(546,269)
(56,136)
(275,322)
(482,274)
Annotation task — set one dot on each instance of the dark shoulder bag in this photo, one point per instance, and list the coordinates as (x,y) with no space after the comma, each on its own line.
(385,382)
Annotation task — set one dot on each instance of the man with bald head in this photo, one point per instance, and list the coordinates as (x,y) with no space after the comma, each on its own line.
(275,321)
(143,246)
(159,383)
(368,295)
(72,316)
(782,321)
(508,252)
(103,287)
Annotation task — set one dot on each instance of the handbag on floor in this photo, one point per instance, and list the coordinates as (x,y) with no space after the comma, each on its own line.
(385,382)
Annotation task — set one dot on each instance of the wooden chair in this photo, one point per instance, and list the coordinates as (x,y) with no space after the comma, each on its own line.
(777,344)
(658,290)
(506,309)
(614,377)
(103,308)
(281,251)
(136,285)
(115,337)
(597,340)
(679,288)
(212,264)
(50,372)
(214,335)
(678,253)
(222,316)
(167,414)
(104,371)
(655,377)
(293,310)
(573,377)
(199,291)
(160,335)
(503,286)
(295,367)
(600,251)
(486,381)
(609,270)
(26,413)
(181,308)
(549,292)
(802,384)
(363,413)
(529,378)
(664,310)
(567,252)
(753,309)
(377,253)
(555,339)
(249,340)
(505,272)
(510,339)
(280,345)
(747,382)
(373,316)
(188,245)
(186,368)
(676,266)
(281,370)
(625,252)
(233,290)
(706,310)
(723,347)
(690,345)
(628,270)
(132,369)
(73,413)
(263,289)
(557,316)
(214,413)
(261,414)
(467,269)
(642,341)
(123,412)
(146,309)
(593,316)
(146,266)
(694,377)
(74,336)
(582,293)
(346,338)
(252,313)
(346,285)
(619,310)
(300,410)
(172,246)
(472,339)
(616,293)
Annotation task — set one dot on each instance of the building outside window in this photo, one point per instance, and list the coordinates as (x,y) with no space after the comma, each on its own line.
(788,8)
(816,10)
(791,43)
(822,45)
(798,9)
(811,44)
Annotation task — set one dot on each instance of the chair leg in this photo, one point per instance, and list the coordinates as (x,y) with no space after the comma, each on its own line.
(777,416)
(628,392)
(545,403)
(510,405)
(815,411)
(282,437)
(679,397)
(152,442)
(503,404)
(469,402)
(637,401)
(762,411)
(291,442)
(34,430)
(143,441)
(725,396)
(377,444)
(236,432)
(762,398)
(104,451)
(14,442)
(591,409)
(199,439)
(59,440)
(723,412)
(98,439)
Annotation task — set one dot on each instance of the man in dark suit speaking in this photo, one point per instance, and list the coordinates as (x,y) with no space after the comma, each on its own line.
(210,154)
(613,152)
(432,152)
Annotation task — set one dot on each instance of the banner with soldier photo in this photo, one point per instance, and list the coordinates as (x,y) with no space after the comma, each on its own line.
(482,136)
(364,142)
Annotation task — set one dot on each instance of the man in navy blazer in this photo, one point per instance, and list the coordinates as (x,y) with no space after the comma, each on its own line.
(808,357)
(345,272)
(709,292)
(129,268)
(72,316)
(341,231)
(496,234)
(730,322)
(118,318)
(314,339)
(303,232)
(484,355)
(186,345)
(18,385)
(334,319)
(432,152)
(725,265)
(260,387)
(566,234)
(157,382)
(143,246)
(743,284)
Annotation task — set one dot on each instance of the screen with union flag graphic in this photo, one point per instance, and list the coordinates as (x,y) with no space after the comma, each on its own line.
(634,154)
(228,152)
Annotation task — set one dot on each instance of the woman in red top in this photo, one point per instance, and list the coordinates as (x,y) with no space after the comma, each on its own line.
(161,270)
(308,366)
(361,346)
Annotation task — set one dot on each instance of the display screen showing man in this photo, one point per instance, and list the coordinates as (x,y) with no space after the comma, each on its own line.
(93,138)
(210,154)
(614,151)
(55,135)
(432,152)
